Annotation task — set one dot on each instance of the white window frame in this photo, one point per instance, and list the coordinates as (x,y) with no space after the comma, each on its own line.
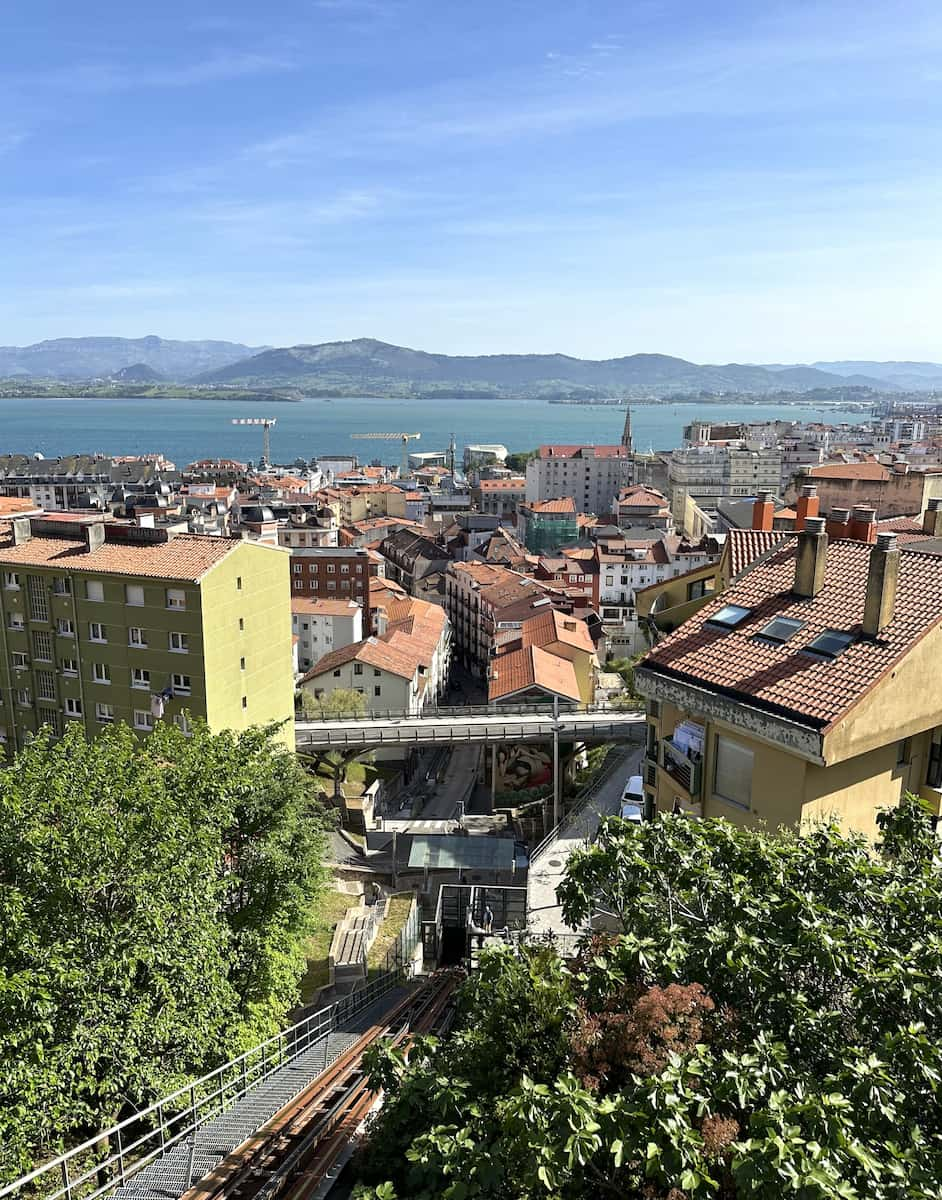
(144,720)
(176,599)
(11,581)
(101,636)
(65,627)
(104,713)
(141,640)
(181,688)
(131,593)
(183,647)
(140,679)
(101,673)
(733,771)
(20,660)
(73,706)
(93,586)
(69,667)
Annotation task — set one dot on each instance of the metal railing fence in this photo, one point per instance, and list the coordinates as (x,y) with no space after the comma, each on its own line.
(108,1160)
(447,711)
(614,762)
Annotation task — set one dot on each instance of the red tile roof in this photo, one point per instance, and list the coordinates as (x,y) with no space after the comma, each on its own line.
(563,504)
(781,678)
(532,667)
(638,496)
(747,545)
(373,652)
(553,626)
(323,608)
(857,470)
(184,557)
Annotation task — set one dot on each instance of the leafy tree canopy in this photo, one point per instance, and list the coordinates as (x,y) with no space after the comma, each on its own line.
(762,1019)
(153,901)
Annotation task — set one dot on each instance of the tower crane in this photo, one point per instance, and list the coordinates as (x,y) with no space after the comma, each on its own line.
(266,423)
(405,438)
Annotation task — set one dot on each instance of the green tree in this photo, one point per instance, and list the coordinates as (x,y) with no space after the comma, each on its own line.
(764,1018)
(518,460)
(343,702)
(153,899)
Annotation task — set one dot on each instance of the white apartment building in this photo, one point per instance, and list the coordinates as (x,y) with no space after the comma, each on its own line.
(714,472)
(323,625)
(592,475)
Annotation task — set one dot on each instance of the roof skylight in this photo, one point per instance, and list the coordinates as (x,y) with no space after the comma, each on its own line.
(830,643)
(729,616)
(780,630)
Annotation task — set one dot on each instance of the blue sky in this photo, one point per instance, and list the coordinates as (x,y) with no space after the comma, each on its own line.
(731,181)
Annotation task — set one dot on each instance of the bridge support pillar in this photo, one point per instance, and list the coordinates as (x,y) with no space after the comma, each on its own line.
(557,789)
(493,775)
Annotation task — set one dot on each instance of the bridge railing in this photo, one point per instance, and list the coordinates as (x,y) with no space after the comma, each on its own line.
(108,1160)
(449,711)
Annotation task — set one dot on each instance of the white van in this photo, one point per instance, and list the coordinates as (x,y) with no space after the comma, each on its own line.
(632,800)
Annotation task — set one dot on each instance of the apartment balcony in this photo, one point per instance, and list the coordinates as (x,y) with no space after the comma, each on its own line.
(684,768)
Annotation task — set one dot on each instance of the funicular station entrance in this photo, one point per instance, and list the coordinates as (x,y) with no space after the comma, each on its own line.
(470,916)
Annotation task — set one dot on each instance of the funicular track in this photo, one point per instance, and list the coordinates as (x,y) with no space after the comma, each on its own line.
(293,1154)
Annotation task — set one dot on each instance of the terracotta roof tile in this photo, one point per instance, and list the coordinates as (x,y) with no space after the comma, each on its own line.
(185,557)
(553,626)
(747,545)
(782,678)
(373,652)
(864,470)
(532,667)
(562,504)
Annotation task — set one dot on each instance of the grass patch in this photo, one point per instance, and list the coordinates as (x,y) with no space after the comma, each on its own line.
(397,913)
(331,909)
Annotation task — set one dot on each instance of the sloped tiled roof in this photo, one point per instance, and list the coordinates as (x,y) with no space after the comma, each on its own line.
(781,678)
(532,667)
(746,545)
(562,504)
(373,652)
(856,470)
(553,626)
(184,557)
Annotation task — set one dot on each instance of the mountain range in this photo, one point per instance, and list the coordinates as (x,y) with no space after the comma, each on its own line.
(369,365)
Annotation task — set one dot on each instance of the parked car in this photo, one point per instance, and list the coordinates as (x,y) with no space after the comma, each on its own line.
(632,800)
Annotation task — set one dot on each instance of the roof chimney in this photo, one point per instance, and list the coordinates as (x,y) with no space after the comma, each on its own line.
(94,535)
(811,558)
(806,506)
(881,584)
(932,519)
(763,511)
(863,523)
(838,520)
(22,530)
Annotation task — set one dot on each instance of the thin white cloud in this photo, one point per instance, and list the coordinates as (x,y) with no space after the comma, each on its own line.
(220,66)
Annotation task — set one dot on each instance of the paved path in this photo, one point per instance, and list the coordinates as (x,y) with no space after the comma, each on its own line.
(543,913)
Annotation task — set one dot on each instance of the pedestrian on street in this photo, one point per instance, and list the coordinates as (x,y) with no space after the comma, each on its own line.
(488,919)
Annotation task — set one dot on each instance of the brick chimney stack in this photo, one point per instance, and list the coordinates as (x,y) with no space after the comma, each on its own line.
(882,578)
(811,559)
(838,521)
(863,524)
(807,505)
(763,510)
(932,519)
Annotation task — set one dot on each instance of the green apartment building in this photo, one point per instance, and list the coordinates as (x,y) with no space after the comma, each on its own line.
(102,622)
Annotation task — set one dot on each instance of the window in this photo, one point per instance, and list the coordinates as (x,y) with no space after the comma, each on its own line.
(732,777)
(42,645)
(337,673)
(73,707)
(20,660)
(331,569)
(69,666)
(344,569)
(934,769)
(176,598)
(239,583)
(140,678)
(359,568)
(179,643)
(134,595)
(377,672)
(23,698)
(699,588)
(94,590)
(904,752)
(38,598)
(96,632)
(104,714)
(358,668)
(182,722)
(331,586)
(830,644)
(61,586)
(11,581)
(729,616)
(780,630)
(65,628)
(101,673)
(137,636)
(181,685)
(296,567)
(245,701)
(299,585)
(143,719)
(17,621)
(241,624)
(242,663)
(377,690)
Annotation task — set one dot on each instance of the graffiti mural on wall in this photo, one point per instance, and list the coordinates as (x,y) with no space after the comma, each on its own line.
(521,766)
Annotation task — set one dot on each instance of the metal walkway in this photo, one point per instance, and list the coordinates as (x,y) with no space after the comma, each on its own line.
(169,1176)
